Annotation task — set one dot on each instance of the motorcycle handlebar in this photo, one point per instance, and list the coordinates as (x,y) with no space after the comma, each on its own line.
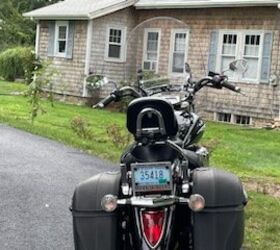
(108,99)
(217,81)
(230,86)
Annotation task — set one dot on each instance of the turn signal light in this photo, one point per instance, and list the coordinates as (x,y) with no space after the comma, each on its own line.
(196,202)
(109,203)
(153,223)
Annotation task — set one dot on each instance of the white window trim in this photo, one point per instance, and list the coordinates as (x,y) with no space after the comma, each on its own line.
(122,44)
(146,31)
(57,25)
(240,50)
(172,36)
(233,119)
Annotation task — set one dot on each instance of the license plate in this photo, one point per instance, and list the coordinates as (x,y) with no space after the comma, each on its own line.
(151,177)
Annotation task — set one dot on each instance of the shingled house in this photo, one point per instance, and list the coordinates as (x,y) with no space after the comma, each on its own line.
(90,36)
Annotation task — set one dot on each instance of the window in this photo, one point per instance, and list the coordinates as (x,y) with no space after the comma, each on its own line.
(240,119)
(223,117)
(178,51)
(241,44)
(252,54)
(229,51)
(61,35)
(151,49)
(231,118)
(115,44)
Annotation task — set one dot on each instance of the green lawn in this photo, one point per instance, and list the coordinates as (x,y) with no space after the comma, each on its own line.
(245,151)
(250,153)
(262,223)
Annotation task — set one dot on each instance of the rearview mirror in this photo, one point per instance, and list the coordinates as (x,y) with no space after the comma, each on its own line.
(95,82)
(187,68)
(240,65)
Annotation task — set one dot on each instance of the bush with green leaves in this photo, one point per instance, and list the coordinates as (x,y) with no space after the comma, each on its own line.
(17,62)
(41,87)
(81,127)
(119,137)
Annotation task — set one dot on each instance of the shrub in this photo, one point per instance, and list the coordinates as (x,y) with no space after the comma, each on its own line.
(120,138)
(81,127)
(40,87)
(17,62)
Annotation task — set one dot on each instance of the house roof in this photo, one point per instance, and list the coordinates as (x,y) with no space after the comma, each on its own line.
(90,9)
(79,9)
(162,4)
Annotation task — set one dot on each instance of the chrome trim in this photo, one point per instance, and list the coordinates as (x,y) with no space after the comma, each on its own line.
(140,131)
(137,215)
(153,202)
(170,217)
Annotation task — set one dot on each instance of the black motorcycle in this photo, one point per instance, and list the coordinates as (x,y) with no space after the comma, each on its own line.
(164,196)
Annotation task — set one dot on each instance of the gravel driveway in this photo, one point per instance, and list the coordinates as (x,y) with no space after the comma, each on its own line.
(37,180)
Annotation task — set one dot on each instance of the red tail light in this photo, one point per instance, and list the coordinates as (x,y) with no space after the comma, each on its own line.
(153,223)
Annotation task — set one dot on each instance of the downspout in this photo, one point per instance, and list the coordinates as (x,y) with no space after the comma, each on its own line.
(37,42)
(278,45)
(88,55)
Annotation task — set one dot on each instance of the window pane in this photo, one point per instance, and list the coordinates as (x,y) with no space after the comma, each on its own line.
(61,46)
(252,45)
(223,117)
(225,61)
(229,44)
(179,53)
(115,36)
(152,43)
(178,62)
(151,53)
(180,42)
(252,70)
(147,65)
(152,56)
(240,119)
(114,51)
(62,32)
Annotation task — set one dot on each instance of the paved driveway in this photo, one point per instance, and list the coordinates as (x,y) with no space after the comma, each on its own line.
(37,179)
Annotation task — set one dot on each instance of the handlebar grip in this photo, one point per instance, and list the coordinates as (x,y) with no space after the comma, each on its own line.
(105,101)
(230,86)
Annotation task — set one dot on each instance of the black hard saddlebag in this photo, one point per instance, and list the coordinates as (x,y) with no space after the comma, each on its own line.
(93,228)
(220,225)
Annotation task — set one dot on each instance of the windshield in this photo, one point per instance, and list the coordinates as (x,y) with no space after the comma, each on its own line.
(157,54)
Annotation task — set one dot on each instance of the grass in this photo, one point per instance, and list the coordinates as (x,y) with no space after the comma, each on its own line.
(249,153)
(244,151)
(8,88)
(262,222)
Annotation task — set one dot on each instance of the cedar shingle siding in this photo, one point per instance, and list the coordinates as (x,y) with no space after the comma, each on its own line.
(262,101)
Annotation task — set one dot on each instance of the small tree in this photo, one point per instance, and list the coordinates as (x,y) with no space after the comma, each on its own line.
(40,87)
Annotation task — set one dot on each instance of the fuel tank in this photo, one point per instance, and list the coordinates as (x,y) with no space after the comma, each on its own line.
(190,127)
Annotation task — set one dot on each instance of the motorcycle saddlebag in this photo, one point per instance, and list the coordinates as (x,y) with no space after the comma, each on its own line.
(93,228)
(220,225)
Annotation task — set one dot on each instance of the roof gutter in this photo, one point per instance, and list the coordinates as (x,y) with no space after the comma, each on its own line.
(57,17)
(206,4)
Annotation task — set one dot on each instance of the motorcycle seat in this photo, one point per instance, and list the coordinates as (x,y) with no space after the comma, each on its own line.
(161,106)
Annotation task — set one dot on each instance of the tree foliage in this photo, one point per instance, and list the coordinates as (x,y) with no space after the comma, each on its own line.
(16,30)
